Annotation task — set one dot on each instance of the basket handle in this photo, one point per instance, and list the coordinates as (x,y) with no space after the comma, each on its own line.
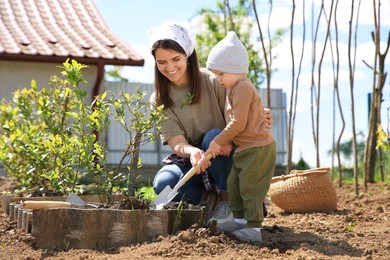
(295,173)
(323,169)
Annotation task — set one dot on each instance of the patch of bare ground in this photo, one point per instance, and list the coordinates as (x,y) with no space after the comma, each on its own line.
(358,229)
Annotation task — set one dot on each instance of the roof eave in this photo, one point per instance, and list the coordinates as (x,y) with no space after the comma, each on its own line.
(61,59)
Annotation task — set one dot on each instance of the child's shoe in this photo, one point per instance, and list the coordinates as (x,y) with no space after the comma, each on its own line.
(230,226)
(248,235)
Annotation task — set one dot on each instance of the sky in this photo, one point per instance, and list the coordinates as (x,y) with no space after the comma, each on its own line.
(130,20)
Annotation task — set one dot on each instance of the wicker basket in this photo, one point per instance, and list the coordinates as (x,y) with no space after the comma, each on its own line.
(304,191)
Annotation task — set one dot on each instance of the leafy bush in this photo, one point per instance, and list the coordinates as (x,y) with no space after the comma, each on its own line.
(49,138)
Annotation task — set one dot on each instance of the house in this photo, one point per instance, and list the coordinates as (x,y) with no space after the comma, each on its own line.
(37,36)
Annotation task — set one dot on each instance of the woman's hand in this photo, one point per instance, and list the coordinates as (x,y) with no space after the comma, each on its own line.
(214,150)
(182,148)
(197,156)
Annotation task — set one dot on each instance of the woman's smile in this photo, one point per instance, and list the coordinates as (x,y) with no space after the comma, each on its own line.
(172,72)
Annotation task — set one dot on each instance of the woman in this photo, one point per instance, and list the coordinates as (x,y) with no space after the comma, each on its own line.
(194,107)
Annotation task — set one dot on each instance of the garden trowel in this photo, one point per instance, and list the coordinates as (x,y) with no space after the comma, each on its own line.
(167,194)
(75,200)
(72,201)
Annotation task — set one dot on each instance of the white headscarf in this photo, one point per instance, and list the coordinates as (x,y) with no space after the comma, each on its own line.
(184,37)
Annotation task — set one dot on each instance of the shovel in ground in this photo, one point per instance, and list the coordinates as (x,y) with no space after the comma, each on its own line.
(75,200)
(167,194)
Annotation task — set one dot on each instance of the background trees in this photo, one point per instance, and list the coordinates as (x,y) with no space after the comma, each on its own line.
(323,41)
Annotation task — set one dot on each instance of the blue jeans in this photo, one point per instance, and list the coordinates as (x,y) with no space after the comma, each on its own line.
(191,191)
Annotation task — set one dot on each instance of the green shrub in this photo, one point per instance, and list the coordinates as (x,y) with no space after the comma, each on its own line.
(48,137)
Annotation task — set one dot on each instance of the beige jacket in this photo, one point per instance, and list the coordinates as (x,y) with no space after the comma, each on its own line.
(245,118)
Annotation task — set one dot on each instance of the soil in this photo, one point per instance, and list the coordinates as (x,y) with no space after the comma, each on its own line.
(358,229)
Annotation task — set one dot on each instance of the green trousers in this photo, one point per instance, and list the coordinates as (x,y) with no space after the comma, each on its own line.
(249,181)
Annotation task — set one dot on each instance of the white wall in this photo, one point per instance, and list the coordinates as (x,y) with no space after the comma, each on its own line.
(17,75)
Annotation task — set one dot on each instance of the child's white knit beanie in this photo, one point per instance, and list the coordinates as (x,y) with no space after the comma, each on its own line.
(229,55)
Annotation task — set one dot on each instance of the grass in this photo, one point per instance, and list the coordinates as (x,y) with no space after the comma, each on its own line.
(348,177)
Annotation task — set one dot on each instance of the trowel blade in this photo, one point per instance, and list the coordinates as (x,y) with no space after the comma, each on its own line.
(76,200)
(164,197)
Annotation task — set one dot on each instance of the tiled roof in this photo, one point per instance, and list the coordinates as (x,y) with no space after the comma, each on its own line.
(53,30)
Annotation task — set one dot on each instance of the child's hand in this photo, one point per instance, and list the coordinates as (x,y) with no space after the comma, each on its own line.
(268,117)
(214,149)
(226,149)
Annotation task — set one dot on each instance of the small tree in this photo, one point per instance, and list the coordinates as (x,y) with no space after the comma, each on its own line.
(136,118)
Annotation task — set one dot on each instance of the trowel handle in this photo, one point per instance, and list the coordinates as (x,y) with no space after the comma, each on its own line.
(192,171)
(43,204)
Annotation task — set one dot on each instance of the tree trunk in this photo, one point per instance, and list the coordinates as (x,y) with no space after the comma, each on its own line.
(267,55)
(227,7)
(319,76)
(313,87)
(351,65)
(290,114)
(370,151)
(337,96)
(133,174)
(376,99)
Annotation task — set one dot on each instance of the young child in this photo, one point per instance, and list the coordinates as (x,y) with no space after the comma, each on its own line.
(255,154)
